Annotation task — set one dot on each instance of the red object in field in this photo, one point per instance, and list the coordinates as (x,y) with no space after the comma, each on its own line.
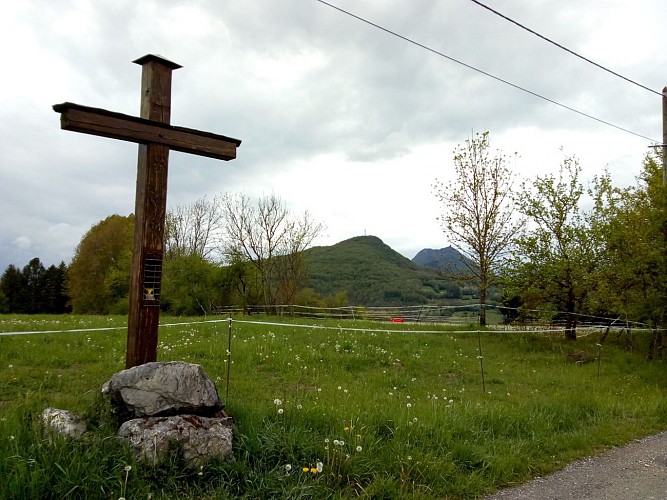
(397,320)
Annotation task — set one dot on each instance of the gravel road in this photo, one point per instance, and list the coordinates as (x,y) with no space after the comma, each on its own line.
(637,471)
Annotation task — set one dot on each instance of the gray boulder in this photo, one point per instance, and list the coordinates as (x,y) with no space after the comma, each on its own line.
(63,422)
(198,438)
(162,389)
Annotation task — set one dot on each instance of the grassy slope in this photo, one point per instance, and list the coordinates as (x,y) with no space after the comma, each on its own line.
(372,273)
(412,401)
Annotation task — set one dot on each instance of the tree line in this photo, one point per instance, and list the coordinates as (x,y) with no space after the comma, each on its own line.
(34,289)
(231,250)
(557,249)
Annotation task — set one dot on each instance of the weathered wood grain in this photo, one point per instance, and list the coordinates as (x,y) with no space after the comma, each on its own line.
(95,121)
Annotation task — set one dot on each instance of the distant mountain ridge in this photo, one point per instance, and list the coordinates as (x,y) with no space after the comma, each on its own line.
(448,260)
(373,274)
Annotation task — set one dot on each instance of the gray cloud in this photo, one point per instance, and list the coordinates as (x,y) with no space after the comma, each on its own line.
(314,95)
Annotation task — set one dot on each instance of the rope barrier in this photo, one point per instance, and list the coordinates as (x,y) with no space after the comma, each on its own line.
(582,331)
(106,328)
(74,330)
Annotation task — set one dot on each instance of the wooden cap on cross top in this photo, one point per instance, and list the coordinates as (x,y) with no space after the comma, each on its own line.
(156,87)
(157,58)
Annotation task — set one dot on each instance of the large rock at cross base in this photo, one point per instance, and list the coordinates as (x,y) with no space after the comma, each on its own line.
(198,438)
(162,389)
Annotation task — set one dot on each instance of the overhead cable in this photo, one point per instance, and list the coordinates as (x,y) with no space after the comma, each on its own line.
(565,48)
(518,87)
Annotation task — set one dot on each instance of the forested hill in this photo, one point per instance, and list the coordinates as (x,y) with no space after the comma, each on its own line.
(374,274)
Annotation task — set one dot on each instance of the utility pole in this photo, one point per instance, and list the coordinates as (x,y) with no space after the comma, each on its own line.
(664,136)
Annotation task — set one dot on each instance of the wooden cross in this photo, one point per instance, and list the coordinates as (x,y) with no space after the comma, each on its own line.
(155,137)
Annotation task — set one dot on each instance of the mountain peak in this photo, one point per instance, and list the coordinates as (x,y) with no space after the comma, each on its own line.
(449,259)
(372,274)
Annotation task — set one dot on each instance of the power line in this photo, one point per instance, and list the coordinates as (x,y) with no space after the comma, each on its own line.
(565,48)
(518,87)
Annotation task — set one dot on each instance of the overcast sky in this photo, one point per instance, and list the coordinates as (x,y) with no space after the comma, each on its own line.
(336,117)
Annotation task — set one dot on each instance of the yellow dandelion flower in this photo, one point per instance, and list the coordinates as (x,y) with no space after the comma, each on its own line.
(313,470)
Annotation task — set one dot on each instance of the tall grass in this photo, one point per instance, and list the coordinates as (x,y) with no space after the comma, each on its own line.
(382,414)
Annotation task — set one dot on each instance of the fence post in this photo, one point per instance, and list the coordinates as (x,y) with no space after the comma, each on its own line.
(481,359)
(229,358)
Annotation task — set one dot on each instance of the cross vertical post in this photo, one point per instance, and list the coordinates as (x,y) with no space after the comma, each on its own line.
(150,210)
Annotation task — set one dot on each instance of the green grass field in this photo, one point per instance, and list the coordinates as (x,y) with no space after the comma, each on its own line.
(388,413)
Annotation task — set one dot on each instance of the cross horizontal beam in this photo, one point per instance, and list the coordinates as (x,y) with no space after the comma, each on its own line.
(105,123)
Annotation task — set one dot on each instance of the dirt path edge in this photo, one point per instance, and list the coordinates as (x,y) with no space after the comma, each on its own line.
(635,471)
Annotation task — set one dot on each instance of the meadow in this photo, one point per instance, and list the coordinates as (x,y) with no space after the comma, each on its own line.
(329,408)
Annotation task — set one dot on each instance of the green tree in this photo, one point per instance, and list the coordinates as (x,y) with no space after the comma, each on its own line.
(99,274)
(12,286)
(56,299)
(34,289)
(477,212)
(241,284)
(4,303)
(33,282)
(556,255)
(190,285)
(631,280)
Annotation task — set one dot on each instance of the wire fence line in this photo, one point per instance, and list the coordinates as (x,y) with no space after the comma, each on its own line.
(406,313)
(461,314)
(384,315)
